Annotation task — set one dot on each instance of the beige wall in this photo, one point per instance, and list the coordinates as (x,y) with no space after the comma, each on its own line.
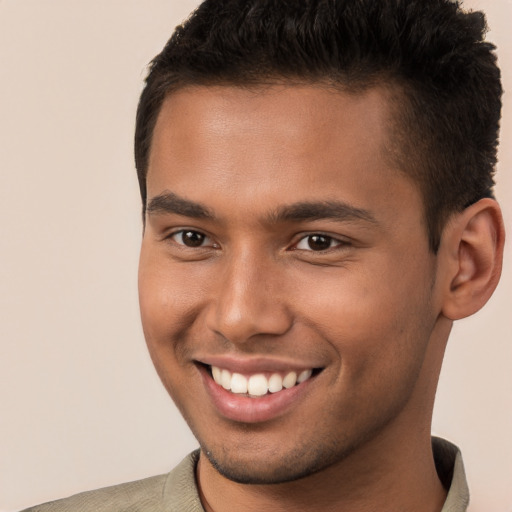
(80,404)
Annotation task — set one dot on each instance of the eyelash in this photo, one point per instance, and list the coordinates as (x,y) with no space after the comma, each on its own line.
(308,239)
(173,236)
(304,239)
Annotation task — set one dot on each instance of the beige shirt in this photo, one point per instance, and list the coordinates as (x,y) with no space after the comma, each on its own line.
(177,490)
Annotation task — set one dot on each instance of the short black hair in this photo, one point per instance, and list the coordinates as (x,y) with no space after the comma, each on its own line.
(431,52)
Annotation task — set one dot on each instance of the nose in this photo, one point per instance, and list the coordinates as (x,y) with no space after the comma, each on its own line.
(248,300)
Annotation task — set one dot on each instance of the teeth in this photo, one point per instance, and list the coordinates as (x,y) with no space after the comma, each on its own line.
(304,376)
(238,383)
(216,373)
(275,383)
(290,380)
(225,379)
(257,384)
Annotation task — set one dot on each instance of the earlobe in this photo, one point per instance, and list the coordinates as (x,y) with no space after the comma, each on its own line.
(474,242)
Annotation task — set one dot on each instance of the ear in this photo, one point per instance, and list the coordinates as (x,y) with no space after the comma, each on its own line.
(472,249)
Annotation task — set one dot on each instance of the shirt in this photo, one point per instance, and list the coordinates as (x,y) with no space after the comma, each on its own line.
(177,491)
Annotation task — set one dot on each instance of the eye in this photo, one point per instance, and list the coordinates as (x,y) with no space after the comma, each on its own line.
(318,242)
(190,238)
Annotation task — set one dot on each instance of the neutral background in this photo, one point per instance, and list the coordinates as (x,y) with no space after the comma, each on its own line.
(80,404)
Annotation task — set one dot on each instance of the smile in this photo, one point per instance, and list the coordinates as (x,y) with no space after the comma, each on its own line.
(258,384)
(257,390)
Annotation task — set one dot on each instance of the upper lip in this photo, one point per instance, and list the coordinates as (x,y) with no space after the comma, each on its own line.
(248,365)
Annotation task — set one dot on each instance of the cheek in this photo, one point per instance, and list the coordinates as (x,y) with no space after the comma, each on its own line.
(157,306)
(376,319)
(168,296)
(166,306)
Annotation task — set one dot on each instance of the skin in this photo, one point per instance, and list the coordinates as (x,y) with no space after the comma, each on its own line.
(372,311)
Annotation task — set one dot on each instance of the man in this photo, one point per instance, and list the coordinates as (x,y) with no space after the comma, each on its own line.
(316,179)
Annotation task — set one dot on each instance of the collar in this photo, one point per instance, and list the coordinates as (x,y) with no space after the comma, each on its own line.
(181,493)
(450,470)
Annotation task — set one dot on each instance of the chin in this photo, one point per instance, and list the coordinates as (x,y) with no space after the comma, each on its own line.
(261,474)
(275,468)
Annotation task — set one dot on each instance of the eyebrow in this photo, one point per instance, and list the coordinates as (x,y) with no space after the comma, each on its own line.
(170,203)
(310,211)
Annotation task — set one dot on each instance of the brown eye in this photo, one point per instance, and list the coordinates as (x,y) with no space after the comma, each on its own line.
(318,242)
(189,238)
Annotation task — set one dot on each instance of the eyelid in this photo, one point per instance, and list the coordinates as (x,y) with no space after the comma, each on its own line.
(209,242)
(171,236)
(339,242)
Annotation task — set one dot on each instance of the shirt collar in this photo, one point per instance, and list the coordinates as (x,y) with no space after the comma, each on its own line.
(450,469)
(181,493)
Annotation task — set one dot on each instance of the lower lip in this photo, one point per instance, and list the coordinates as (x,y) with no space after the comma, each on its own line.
(244,409)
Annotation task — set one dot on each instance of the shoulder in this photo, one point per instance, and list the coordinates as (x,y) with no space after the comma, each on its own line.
(140,495)
(154,494)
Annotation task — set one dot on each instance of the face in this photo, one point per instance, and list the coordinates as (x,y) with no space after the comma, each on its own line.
(286,286)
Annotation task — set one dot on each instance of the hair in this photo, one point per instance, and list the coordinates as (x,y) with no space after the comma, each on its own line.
(431,53)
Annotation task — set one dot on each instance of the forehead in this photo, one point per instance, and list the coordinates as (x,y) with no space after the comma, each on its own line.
(281,143)
(293,114)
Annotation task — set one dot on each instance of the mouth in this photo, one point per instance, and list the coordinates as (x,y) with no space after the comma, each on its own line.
(259,384)
(258,390)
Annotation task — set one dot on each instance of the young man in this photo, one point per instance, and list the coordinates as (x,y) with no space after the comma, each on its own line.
(317,183)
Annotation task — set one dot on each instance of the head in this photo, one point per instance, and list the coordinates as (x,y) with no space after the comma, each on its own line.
(431,55)
(315,178)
